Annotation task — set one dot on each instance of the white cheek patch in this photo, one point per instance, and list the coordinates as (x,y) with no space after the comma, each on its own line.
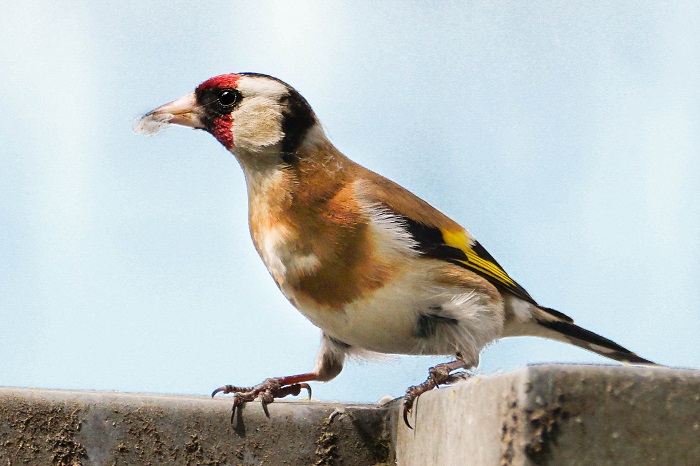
(151,124)
(257,124)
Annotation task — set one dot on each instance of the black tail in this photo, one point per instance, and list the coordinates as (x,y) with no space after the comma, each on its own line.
(592,341)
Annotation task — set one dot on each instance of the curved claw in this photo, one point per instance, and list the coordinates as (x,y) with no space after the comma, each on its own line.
(406,411)
(266,391)
(434,379)
(440,374)
(307,387)
(226,389)
(236,402)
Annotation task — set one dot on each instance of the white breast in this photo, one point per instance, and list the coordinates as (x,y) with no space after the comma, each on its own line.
(387,321)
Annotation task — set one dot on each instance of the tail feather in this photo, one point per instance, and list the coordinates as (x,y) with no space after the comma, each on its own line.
(591,341)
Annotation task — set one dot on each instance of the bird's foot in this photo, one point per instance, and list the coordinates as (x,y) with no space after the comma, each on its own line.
(438,375)
(266,391)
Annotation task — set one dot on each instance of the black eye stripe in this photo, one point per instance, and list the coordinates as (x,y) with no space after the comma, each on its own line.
(216,102)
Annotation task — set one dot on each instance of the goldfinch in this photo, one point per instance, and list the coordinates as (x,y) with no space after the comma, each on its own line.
(372,265)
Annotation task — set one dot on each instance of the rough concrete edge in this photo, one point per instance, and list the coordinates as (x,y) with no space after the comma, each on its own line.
(58,425)
(531,407)
(524,436)
(554,405)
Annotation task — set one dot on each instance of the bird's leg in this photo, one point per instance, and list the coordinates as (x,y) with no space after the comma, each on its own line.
(268,390)
(438,375)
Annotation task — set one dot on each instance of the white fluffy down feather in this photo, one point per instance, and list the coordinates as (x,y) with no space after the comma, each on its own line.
(151,123)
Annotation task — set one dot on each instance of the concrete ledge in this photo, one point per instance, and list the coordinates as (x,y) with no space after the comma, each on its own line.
(558,415)
(95,428)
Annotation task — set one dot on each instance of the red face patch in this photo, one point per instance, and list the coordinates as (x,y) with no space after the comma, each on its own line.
(221,82)
(222,130)
(221,125)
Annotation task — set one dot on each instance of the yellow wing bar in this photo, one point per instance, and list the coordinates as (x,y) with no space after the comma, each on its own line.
(488,266)
(460,248)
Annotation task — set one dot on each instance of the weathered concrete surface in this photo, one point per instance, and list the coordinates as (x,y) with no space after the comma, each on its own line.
(551,415)
(558,415)
(46,427)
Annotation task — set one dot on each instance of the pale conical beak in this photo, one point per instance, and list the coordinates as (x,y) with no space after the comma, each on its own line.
(183,111)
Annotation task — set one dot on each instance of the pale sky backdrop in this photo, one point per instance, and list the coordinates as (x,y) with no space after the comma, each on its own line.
(564,135)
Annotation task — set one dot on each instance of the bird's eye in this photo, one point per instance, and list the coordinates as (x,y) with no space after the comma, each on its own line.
(227,97)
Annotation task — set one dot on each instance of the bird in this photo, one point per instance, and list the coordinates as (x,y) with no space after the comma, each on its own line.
(376,268)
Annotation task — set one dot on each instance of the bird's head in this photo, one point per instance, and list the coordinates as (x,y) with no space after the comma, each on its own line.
(259,118)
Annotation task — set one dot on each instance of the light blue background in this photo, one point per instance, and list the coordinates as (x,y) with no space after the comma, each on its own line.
(564,135)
